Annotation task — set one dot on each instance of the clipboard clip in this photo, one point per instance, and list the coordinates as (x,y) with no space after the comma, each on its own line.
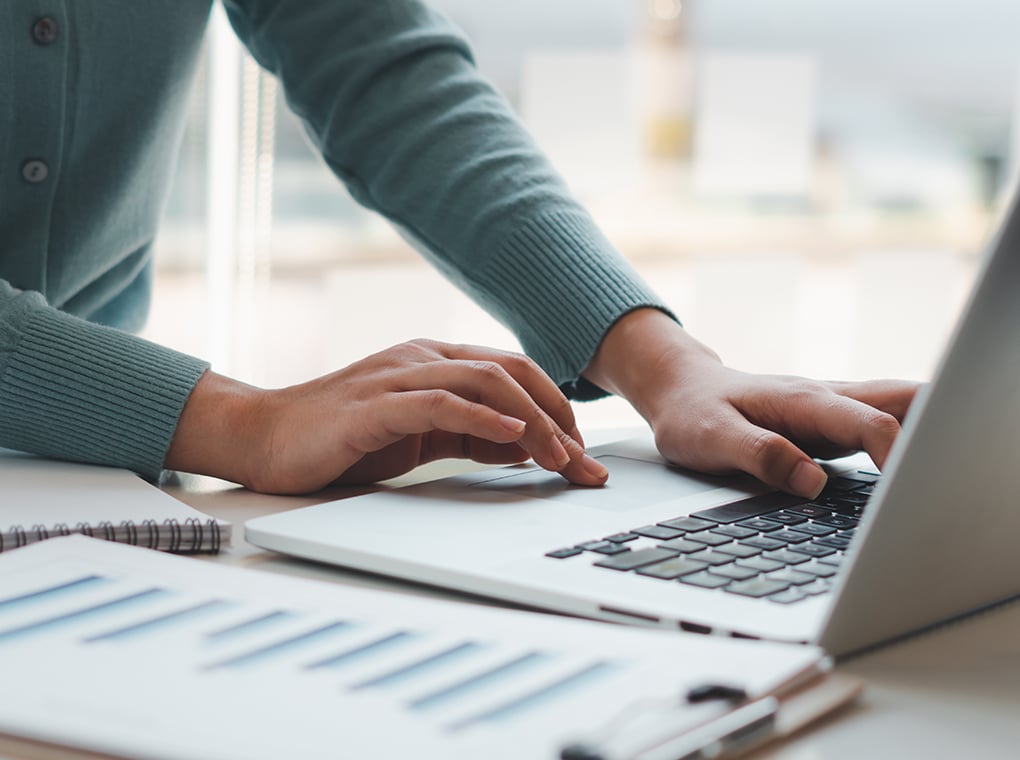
(671,737)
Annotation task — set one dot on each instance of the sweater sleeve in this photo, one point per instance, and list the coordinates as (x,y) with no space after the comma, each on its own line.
(390,96)
(72,389)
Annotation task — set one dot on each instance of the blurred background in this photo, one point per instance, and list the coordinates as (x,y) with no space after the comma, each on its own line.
(809,185)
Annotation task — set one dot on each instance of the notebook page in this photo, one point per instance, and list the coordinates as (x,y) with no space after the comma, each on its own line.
(48,493)
(144,654)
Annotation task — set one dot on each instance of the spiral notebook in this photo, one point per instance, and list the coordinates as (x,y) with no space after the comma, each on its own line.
(42,498)
(130,653)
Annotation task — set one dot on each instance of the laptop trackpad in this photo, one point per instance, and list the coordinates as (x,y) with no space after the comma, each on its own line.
(633,484)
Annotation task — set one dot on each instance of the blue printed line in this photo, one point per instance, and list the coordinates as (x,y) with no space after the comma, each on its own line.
(419,667)
(361,651)
(77,615)
(540,696)
(279,647)
(156,622)
(75,585)
(479,681)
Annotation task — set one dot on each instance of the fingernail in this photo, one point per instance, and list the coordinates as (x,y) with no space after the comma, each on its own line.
(807,479)
(594,467)
(512,423)
(560,455)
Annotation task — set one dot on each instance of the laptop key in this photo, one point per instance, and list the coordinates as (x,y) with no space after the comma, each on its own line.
(818,569)
(810,510)
(835,542)
(711,557)
(672,569)
(571,551)
(611,548)
(761,564)
(786,518)
(749,507)
(640,558)
(838,521)
(658,531)
(840,484)
(764,542)
(682,545)
(835,560)
(818,587)
(738,550)
(709,537)
(791,577)
(814,529)
(734,572)
(760,525)
(788,536)
(621,538)
(786,557)
(757,587)
(734,531)
(688,524)
(812,550)
(791,595)
(705,580)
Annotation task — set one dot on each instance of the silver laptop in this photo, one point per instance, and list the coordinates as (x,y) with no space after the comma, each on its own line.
(872,559)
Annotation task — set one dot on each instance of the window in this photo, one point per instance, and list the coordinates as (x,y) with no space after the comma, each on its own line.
(808,184)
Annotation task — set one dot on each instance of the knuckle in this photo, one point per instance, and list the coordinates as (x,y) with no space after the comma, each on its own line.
(423,347)
(489,371)
(764,446)
(435,400)
(884,423)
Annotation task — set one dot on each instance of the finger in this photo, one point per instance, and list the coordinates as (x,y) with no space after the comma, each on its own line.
(891,396)
(526,372)
(440,444)
(490,384)
(851,424)
(773,459)
(395,415)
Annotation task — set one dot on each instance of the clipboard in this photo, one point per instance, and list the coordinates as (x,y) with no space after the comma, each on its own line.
(749,726)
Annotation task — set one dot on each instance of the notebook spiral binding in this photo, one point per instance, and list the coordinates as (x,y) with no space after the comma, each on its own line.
(192,536)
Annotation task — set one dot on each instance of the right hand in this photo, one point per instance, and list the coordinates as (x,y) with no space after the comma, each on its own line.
(381,417)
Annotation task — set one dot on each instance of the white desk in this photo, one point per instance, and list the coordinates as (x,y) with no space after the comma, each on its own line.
(953,693)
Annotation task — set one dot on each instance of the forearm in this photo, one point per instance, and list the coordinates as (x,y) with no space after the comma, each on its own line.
(71,389)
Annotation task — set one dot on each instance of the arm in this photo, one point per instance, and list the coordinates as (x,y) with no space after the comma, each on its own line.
(71,389)
(389,94)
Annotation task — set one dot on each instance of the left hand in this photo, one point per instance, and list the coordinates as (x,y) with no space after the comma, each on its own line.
(712,418)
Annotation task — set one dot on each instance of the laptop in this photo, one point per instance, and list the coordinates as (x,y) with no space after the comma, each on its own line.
(871,560)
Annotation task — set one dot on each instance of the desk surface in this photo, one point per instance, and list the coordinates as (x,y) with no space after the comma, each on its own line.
(951,693)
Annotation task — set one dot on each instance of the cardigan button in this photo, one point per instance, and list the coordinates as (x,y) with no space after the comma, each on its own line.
(44,30)
(35,171)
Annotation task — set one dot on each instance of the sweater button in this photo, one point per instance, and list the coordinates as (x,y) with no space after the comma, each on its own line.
(35,171)
(44,30)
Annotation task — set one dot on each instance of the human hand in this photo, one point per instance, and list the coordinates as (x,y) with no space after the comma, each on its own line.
(381,417)
(712,418)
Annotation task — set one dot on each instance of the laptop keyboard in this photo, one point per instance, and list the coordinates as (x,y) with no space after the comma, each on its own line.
(774,546)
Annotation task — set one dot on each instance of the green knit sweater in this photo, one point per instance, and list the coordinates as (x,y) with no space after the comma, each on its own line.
(92,102)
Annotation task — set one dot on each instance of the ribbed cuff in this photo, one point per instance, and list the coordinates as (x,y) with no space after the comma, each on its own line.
(561,285)
(79,391)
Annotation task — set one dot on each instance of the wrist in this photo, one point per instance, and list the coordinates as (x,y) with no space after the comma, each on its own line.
(642,354)
(216,433)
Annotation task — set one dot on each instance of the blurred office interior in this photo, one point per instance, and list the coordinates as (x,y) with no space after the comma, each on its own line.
(809,185)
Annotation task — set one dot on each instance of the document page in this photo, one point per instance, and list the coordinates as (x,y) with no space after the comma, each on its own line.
(135,653)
